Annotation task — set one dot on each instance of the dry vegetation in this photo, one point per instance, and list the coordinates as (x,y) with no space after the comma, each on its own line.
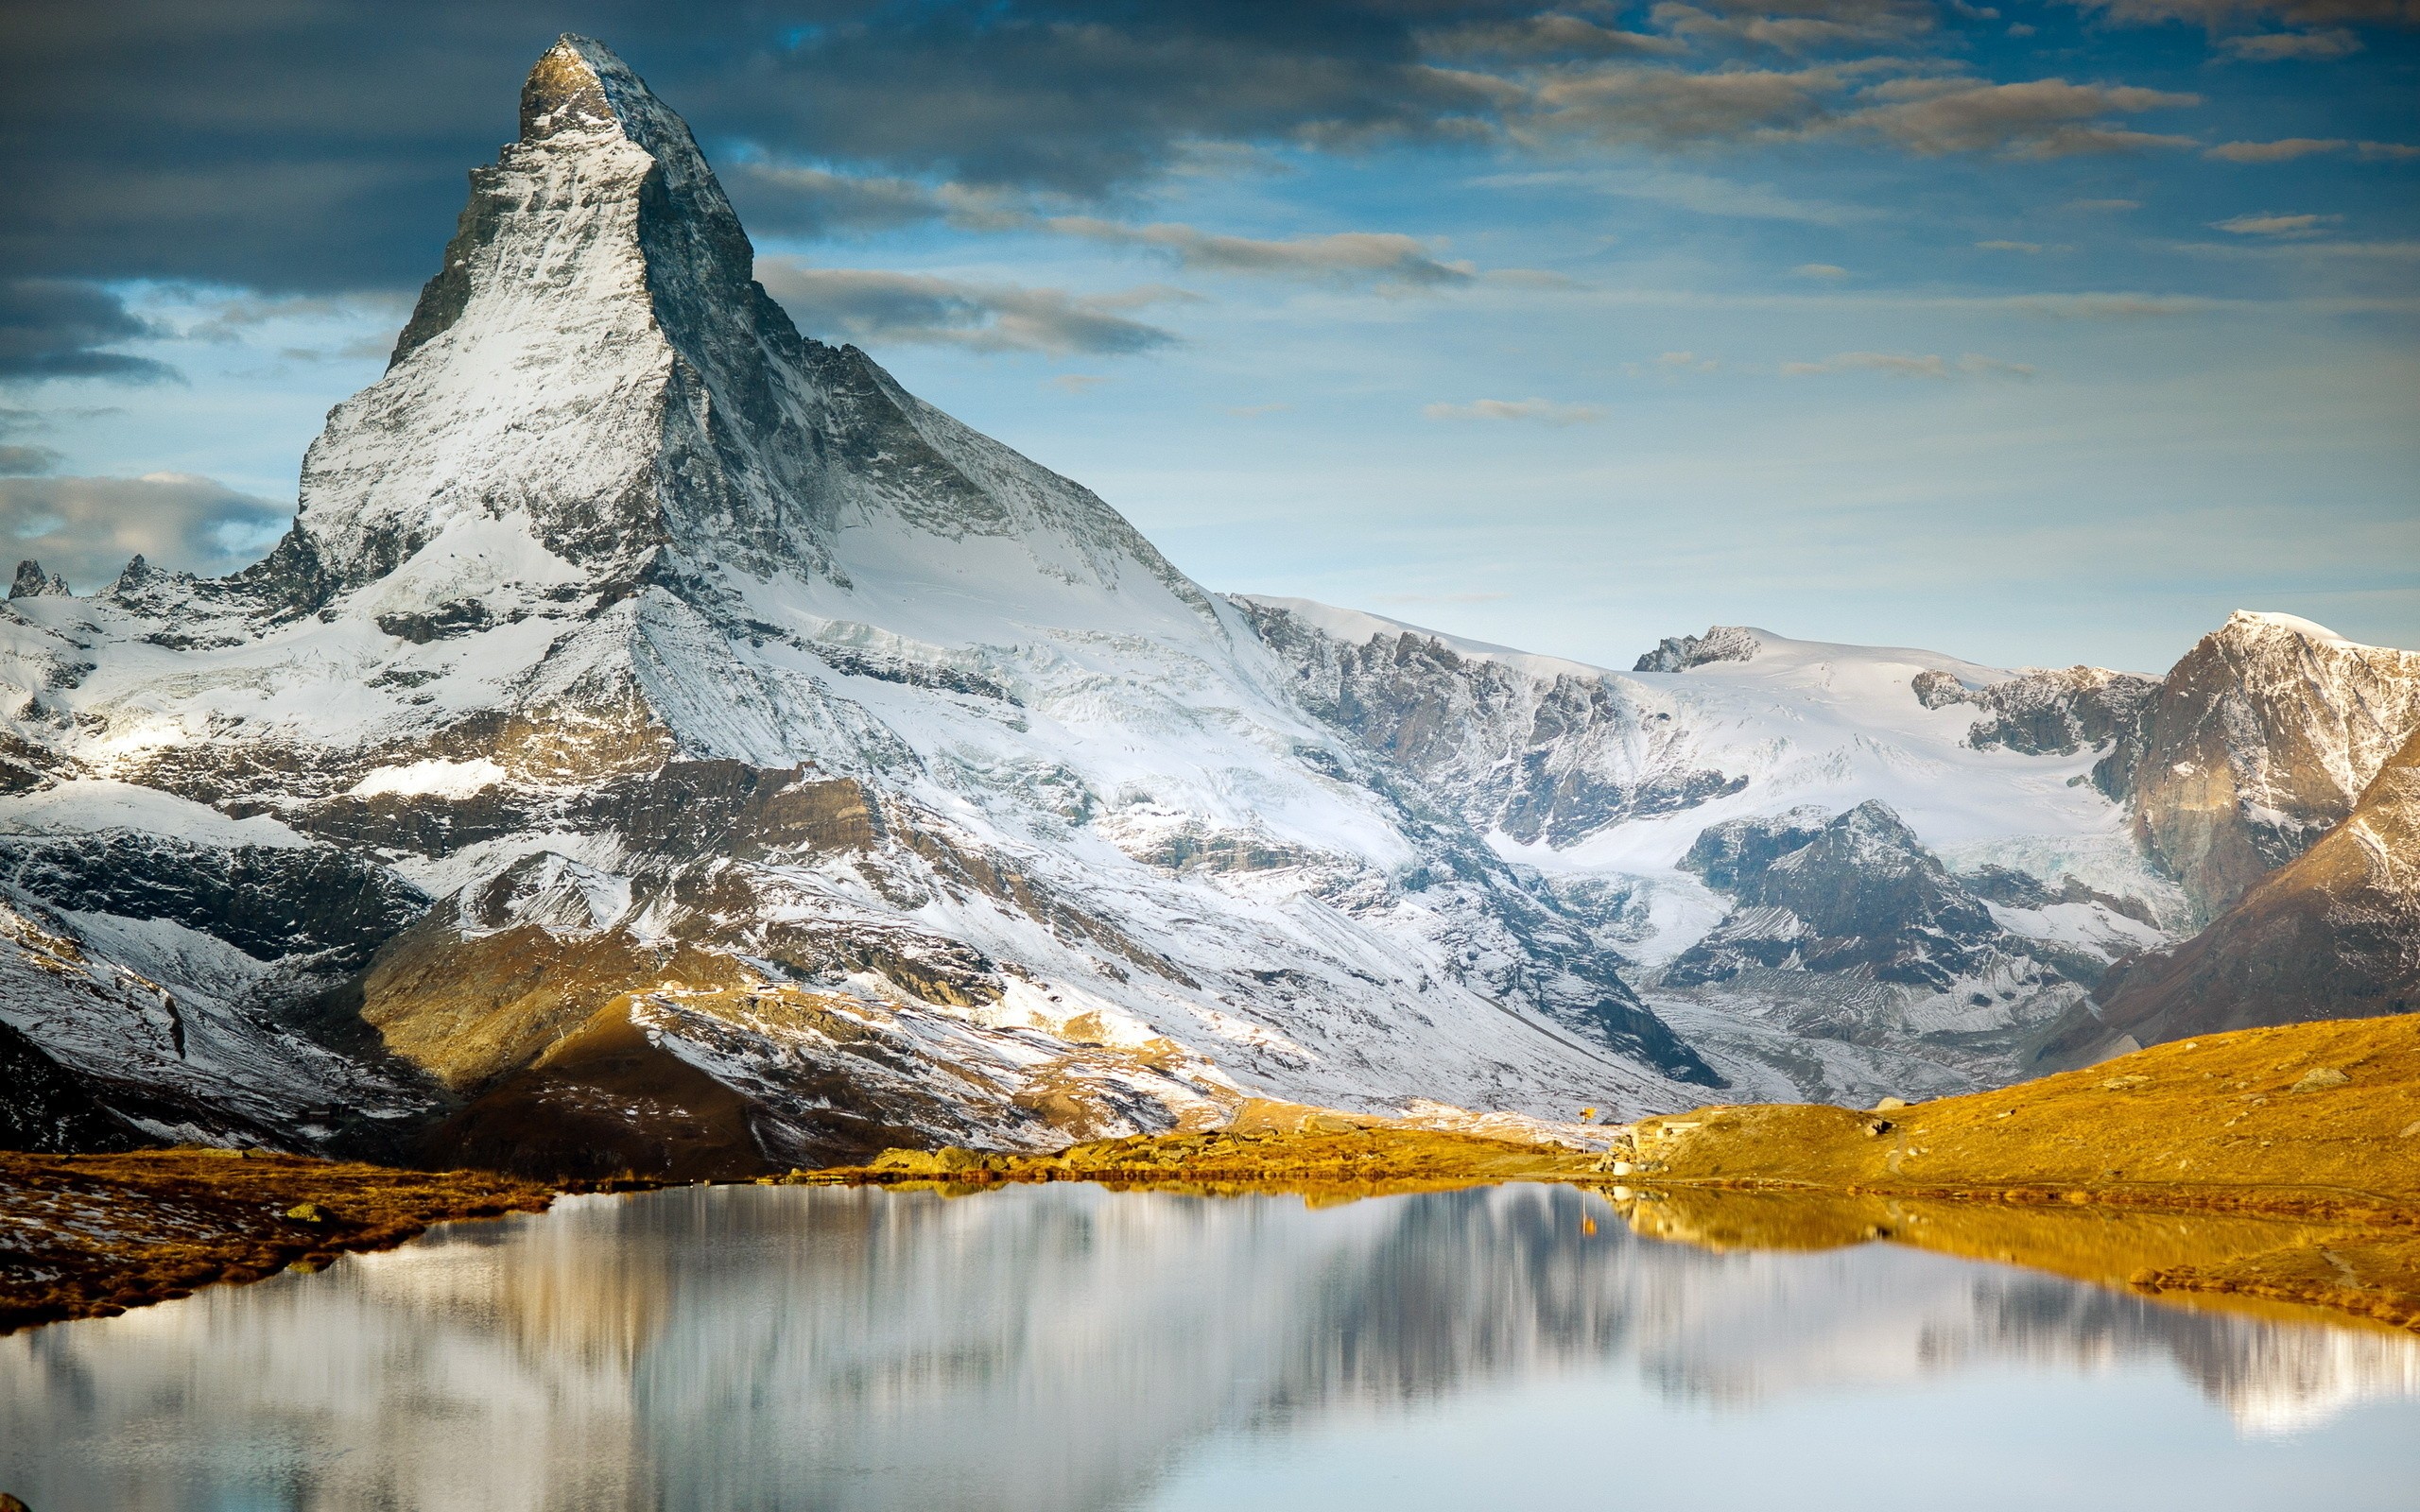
(2280,1163)
(2272,1163)
(88,1235)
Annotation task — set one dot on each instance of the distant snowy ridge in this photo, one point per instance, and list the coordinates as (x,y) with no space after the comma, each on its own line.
(664,743)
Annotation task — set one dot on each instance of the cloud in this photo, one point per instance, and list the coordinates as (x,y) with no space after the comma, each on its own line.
(812,201)
(2225,15)
(876,307)
(1083,96)
(1663,107)
(1076,382)
(1530,39)
(1256,411)
(2299,249)
(26,461)
(1902,365)
(1385,256)
(2108,306)
(2276,46)
(293,148)
(1926,114)
(2388,151)
(2102,207)
(1703,193)
(1545,411)
(2273,225)
(2040,118)
(824,201)
(1687,362)
(59,328)
(2283,151)
(1800,27)
(1825,270)
(2030,248)
(86,528)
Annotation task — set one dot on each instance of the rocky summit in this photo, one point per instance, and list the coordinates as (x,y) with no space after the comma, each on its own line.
(663,744)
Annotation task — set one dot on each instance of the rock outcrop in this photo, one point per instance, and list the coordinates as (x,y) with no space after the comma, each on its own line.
(2055,711)
(1722,643)
(664,741)
(2333,934)
(2258,742)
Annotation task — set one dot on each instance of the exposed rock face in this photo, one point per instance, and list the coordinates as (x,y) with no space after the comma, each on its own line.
(1846,927)
(2258,742)
(1551,759)
(43,1105)
(2047,711)
(31,582)
(265,900)
(1856,890)
(1722,643)
(2333,934)
(795,771)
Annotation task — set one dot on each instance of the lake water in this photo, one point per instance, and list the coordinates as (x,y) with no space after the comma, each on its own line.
(1066,1347)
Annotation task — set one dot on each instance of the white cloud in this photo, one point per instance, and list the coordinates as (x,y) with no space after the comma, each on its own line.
(1545,411)
(2030,248)
(2276,225)
(2277,46)
(2283,151)
(1384,257)
(1904,365)
(86,528)
(1703,193)
(1813,28)
(1824,270)
(876,306)
(2040,118)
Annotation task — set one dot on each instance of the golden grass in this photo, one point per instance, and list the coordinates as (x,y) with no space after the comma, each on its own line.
(92,1235)
(2278,1162)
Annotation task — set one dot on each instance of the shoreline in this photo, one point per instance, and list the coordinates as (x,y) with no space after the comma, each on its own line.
(2315,1202)
(93,1235)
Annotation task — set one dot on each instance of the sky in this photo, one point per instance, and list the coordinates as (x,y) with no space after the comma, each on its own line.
(2032,333)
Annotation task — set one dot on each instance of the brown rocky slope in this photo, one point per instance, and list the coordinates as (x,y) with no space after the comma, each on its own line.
(2334,934)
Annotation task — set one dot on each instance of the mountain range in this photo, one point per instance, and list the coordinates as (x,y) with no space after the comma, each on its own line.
(664,743)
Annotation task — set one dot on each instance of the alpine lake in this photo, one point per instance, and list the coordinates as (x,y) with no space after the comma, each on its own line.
(1070,1347)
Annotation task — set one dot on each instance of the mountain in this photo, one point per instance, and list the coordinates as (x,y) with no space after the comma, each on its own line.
(662,742)
(2257,744)
(1835,869)
(2333,934)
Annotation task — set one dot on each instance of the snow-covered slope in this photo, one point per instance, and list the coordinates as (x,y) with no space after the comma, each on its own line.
(1613,784)
(795,769)
(664,741)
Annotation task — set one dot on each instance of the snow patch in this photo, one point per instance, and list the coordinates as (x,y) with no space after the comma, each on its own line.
(433,778)
(96,806)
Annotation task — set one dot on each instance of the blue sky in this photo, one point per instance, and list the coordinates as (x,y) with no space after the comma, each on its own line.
(2034,333)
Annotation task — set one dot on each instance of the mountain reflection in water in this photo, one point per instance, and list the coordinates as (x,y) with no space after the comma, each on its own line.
(1057,1346)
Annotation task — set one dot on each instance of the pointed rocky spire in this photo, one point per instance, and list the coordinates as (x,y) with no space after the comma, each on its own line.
(595,371)
(581,101)
(32,583)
